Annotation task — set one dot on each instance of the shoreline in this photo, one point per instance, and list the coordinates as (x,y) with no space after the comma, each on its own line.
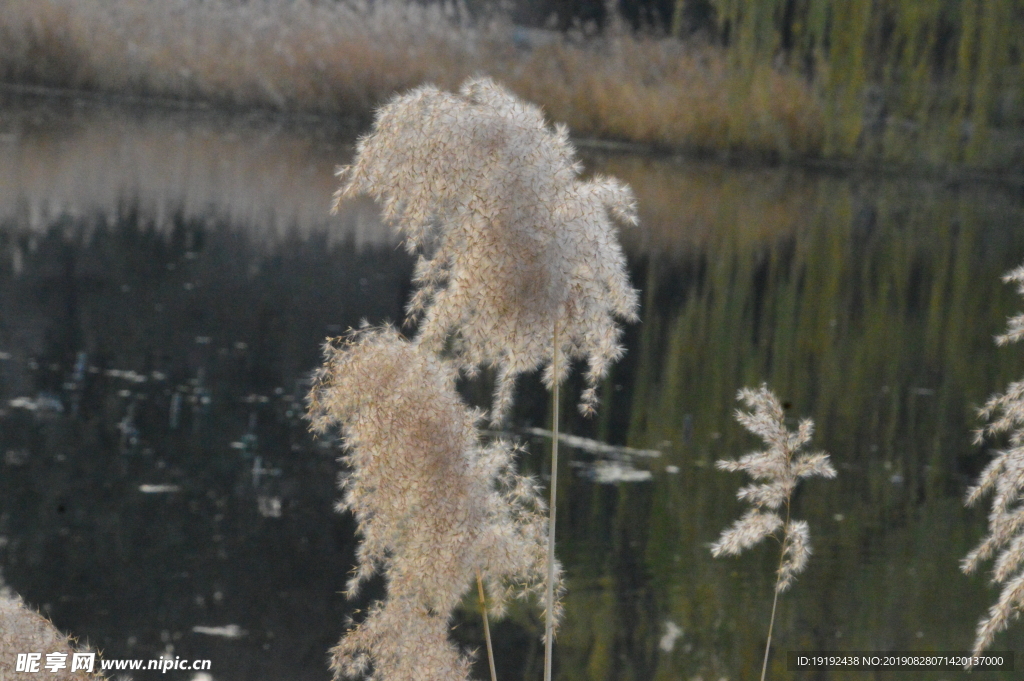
(639,90)
(356,124)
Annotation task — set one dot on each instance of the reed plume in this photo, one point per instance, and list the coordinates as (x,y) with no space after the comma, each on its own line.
(23,630)
(1004,478)
(514,248)
(519,267)
(780,468)
(434,506)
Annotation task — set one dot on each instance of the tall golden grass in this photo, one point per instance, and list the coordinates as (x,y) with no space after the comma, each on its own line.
(348,57)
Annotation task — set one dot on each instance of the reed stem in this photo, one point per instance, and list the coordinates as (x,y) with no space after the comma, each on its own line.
(550,600)
(775,601)
(768,645)
(487,627)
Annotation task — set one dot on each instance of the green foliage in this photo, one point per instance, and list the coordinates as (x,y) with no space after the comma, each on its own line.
(911,81)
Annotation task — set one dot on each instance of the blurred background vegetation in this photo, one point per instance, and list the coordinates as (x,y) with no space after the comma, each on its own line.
(934,85)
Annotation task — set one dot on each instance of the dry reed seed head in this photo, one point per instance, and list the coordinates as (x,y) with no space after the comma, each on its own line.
(746,532)
(1003,477)
(1015,325)
(1009,561)
(1003,528)
(780,467)
(768,495)
(401,641)
(1005,413)
(433,505)
(814,464)
(22,630)
(796,550)
(511,241)
(1006,609)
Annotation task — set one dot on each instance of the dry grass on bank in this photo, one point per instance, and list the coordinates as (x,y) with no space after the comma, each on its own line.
(348,57)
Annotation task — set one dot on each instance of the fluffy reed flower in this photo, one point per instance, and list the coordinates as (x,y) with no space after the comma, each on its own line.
(434,506)
(1004,478)
(513,245)
(780,467)
(23,630)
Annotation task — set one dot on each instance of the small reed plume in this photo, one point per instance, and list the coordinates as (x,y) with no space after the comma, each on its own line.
(434,506)
(780,468)
(23,630)
(515,250)
(1004,478)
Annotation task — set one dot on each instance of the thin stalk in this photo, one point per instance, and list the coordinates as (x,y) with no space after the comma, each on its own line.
(767,646)
(550,600)
(775,601)
(487,627)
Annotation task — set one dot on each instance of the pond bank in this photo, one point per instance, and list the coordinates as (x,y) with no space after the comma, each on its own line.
(698,95)
(347,58)
(352,124)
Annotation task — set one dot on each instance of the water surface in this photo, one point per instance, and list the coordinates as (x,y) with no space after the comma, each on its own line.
(167,279)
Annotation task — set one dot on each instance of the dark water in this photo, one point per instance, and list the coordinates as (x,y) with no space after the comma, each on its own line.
(166,280)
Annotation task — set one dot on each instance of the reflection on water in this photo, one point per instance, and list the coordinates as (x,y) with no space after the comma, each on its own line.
(62,157)
(165,283)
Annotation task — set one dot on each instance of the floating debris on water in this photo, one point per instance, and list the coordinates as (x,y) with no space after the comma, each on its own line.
(258,471)
(127,427)
(668,639)
(15,457)
(269,507)
(78,373)
(159,488)
(127,375)
(614,472)
(227,631)
(175,411)
(43,403)
(594,446)
(23,403)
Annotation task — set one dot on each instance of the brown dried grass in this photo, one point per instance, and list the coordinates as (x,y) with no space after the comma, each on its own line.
(348,57)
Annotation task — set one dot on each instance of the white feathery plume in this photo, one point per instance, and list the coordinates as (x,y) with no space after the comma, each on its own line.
(23,630)
(779,468)
(1003,477)
(434,506)
(514,248)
